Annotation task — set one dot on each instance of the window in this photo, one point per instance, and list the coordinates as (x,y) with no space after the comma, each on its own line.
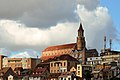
(18,64)
(54,71)
(51,71)
(51,64)
(78,72)
(64,70)
(68,78)
(64,63)
(54,65)
(78,67)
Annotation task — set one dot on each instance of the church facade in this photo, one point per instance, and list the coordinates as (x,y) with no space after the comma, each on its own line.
(77,50)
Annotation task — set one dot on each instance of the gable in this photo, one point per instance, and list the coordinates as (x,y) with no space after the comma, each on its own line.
(9,72)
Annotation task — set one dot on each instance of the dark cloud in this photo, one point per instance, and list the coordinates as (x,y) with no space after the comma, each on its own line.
(39,13)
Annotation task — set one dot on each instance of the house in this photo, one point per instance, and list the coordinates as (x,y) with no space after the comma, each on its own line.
(102,74)
(7,74)
(54,76)
(81,69)
(105,52)
(68,76)
(111,58)
(25,63)
(24,73)
(39,74)
(18,70)
(62,63)
(45,64)
(94,60)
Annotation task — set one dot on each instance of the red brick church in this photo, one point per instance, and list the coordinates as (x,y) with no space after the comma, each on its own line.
(78,50)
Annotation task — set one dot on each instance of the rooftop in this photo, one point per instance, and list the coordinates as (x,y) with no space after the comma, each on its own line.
(59,47)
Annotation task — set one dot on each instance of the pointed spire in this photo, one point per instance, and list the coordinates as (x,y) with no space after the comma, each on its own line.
(80,28)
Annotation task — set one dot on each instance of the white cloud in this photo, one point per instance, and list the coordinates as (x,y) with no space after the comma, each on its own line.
(25,54)
(19,35)
(97,23)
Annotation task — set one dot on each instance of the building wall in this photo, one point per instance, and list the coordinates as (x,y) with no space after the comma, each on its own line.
(82,68)
(94,60)
(61,66)
(25,63)
(56,52)
(1,61)
(10,77)
(79,70)
(111,58)
(36,78)
(65,78)
(58,66)
(12,62)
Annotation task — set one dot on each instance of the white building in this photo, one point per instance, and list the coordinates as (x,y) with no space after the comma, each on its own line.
(94,60)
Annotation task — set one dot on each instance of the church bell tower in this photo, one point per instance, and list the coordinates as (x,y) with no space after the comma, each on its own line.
(81,39)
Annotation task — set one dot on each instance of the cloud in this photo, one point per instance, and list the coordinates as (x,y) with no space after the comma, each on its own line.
(89,4)
(18,35)
(97,23)
(25,54)
(39,13)
(5,52)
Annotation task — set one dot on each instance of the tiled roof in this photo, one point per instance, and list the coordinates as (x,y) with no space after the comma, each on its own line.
(18,68)
(54,75)
(47,57)
(4,70)
(59,47)
(65,74)
(62,57)
(92,50)
(38,72)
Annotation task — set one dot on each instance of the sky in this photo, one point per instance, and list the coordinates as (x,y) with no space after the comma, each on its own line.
(27,27)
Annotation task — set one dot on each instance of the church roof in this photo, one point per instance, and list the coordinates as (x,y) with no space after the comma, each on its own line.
(59,47)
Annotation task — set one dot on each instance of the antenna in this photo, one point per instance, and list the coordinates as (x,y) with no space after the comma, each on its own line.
(104,43)
(110,44)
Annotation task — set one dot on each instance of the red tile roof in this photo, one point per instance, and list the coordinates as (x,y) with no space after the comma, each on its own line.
(58,47)
(47,57)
